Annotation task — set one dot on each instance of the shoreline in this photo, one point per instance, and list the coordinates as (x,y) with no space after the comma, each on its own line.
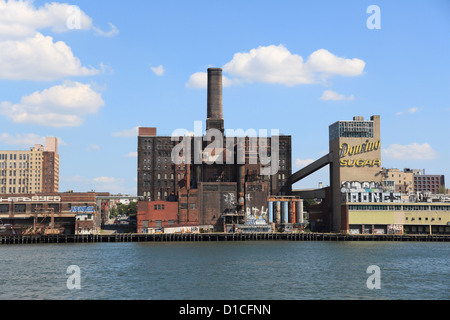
(201,237)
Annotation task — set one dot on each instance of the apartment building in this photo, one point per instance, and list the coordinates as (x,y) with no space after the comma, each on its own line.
(434,183)
(30,171)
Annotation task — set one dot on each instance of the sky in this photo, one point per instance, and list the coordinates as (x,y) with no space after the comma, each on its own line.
(91,72)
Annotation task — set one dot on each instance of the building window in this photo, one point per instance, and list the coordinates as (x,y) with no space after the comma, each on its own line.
(4,208)
(20,208)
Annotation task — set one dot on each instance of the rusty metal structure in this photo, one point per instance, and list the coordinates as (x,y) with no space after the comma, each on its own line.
(41,227)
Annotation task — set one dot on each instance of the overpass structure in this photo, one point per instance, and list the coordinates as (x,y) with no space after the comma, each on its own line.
(303,173)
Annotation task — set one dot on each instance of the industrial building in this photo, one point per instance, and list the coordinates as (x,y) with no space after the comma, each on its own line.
(216,186)
(53,213)
(366,198)
(207,191)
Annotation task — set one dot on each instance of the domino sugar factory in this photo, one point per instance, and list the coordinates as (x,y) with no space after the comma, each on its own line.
(190,183)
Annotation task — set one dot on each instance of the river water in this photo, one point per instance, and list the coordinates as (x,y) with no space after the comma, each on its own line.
(250,270)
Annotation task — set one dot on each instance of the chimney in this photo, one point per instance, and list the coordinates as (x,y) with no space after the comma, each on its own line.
(214,119)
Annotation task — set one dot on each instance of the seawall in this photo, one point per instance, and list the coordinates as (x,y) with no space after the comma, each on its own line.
(186,237)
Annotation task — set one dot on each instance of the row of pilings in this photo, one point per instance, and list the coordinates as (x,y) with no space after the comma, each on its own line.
(192,237)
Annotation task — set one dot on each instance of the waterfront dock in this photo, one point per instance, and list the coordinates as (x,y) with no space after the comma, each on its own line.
(199,237)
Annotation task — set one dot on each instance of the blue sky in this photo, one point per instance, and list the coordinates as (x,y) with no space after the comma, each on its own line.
(90,77)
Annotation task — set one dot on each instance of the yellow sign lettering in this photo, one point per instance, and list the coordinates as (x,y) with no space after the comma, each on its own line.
(360,163)
(346,150)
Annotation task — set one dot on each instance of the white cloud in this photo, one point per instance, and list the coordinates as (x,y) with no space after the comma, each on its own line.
(104,184)
(412,151)
(410,110)
(132,154)
(300,163)
(271,64)
(104,180)
(199,80)
(20,19)
(277,65)
(26,140)
(22,140)
(63,105)
(325,62)
(133,132)
(93,147)
(27,54)
(332,95)
(111,33)
(39,58)
(159,70)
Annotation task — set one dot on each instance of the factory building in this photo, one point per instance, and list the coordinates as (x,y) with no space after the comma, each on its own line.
(223,182)
(355,149)
(367,198)
(52,213)
(220,179)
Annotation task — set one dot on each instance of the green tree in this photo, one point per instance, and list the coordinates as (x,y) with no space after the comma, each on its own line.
(307,203)
(132,208)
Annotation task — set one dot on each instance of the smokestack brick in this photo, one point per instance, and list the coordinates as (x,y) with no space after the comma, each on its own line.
(215,100)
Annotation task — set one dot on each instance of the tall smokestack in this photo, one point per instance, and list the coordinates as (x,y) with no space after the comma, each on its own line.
(214,119)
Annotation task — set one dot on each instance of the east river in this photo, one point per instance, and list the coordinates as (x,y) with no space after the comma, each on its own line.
(250,270)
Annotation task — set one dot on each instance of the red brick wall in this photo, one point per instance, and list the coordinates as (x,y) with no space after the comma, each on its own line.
(143,131)
(147,211)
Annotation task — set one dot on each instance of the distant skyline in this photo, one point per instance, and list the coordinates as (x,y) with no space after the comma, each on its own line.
(92,72)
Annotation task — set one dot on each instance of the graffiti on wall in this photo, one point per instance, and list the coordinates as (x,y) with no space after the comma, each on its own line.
(395,229)
(229,201)
(256,215)
(364,186)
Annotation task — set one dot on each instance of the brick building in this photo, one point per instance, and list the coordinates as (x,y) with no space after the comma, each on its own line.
(32,171)
(213,185)
(433,183)
(73,212)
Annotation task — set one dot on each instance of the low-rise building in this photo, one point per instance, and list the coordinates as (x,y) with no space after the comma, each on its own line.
(390,216)
(154,216)
(69,212)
